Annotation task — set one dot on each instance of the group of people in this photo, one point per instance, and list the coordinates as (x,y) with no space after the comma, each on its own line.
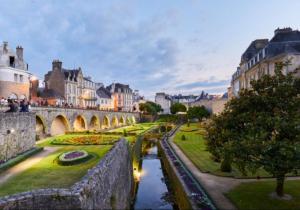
(15,106)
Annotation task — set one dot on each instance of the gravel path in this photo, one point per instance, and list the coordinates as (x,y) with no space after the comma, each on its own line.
(22,166)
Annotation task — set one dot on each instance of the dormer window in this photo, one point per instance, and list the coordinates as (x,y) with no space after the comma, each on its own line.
(12,61)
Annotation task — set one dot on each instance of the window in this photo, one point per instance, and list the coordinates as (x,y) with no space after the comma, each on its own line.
(11,61)
(15,77)
(21,78)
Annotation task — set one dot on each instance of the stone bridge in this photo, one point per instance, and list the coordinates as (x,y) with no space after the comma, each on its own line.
(55,121)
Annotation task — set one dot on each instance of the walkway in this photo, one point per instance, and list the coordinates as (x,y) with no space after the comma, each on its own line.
(22,166)
(215,186)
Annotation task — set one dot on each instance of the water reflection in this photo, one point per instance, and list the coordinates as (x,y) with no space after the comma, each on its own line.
(152,191)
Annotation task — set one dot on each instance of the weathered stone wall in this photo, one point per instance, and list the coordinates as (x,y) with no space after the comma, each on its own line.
(215,106)
(17,134)
(106,186)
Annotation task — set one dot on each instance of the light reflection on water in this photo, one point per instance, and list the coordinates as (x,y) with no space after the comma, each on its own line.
(152,191)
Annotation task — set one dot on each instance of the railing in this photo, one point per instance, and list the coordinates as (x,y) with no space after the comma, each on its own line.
(33,108)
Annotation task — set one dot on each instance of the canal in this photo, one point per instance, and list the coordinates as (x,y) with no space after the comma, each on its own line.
(153,191)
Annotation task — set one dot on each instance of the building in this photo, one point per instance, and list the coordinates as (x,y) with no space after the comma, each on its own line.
(164,101)
(261,56)
(14,74)
(122,97)
(104,99)
(137,100)
(69,86)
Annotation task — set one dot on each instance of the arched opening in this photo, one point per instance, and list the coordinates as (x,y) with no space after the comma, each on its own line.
(133,120)
(60,125)
(114,122)
(105,122)
(128,121)
(79,123)
(40,128)
(122,121)
(22,97)
(94,124)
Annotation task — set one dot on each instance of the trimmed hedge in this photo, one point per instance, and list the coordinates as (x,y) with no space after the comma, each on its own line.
(21,157)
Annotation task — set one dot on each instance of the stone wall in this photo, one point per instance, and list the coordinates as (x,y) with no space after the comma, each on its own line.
(106,186)
(17,134)
(215,106)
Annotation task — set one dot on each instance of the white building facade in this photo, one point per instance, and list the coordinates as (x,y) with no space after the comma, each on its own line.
(164,101)
(14,74)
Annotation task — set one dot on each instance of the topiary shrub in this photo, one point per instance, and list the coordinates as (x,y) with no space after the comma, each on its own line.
(73,157)
(226,165)
(183,138)
(125,134)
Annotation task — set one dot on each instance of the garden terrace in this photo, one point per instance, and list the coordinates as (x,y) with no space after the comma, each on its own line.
(194,147)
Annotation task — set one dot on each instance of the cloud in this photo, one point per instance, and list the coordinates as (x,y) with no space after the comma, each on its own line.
(110,40)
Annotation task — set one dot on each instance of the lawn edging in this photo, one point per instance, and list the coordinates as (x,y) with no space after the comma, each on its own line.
(21,157)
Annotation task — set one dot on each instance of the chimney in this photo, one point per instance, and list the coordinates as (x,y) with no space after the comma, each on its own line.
(283,30)
(19,51)
(5,50)
(57,64)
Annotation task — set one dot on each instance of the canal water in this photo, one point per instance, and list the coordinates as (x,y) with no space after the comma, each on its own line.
(153,192)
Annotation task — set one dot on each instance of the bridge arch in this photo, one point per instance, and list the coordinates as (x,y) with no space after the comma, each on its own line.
(94,123)
(105,122)
(40,127)
(60,125)
(80,123)
(128,121)
(114,121)
(122,121)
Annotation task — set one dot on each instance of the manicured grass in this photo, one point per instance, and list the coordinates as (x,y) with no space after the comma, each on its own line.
(255,195)
(194,148)
(49,174)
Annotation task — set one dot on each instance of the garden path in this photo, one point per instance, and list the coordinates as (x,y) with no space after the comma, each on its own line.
(22,166)
(215,186)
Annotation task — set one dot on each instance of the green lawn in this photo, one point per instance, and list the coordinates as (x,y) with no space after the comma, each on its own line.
(47,173)
(194,148)
(255,195)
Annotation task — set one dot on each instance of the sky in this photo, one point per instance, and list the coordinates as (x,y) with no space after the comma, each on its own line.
(172,46)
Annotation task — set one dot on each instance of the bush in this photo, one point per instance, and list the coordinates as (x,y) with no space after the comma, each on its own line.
(163,129)
(226,165)
(125,134)
(183,138)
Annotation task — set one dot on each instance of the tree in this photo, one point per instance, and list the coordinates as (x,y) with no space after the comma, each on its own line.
(260,128)
(177,107)
(150,108)
(198,112)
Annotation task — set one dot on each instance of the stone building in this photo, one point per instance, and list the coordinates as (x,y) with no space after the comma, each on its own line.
(122,96)
(69,86)
(262,55)
(164,101)
(104,99)
(14,74)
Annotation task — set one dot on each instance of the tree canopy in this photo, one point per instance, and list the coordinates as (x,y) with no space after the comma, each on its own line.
(177,107)
(150,108)
(261,127)
(198,112)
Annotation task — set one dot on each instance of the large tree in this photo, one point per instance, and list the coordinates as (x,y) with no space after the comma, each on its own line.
(177,107)
(150,108)
(198,112)
(261,127)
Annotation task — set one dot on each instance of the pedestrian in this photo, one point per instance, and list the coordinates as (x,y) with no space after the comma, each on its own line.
(24,106)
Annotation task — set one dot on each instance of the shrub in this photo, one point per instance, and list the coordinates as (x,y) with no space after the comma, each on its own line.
(163,129)
(125,133)
(226,165)
(183,138)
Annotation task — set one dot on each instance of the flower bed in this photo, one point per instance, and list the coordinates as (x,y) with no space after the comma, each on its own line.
(189,129)
(73,157)
(84,140)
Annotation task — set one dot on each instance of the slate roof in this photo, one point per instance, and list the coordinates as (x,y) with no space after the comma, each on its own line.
(118,86)
(103,93)
(71,73)
(253,49)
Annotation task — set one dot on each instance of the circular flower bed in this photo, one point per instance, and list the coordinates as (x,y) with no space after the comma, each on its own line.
(73,157)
